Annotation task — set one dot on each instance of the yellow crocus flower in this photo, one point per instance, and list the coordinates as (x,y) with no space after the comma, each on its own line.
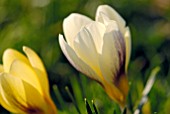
(24,87)
(100,49)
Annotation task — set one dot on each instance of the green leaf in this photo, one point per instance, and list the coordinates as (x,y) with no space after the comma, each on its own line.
(94,106)
(89,110)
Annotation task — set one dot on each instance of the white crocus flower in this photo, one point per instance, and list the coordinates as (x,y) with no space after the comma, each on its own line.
(100,49)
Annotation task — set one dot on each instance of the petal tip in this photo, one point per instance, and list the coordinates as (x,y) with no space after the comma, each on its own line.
(61,39)
(60,36)
(7,52)
(24,48)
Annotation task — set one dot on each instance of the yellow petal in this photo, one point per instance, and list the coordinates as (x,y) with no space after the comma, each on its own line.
(114,93)
(12,93)
(20,95)
(9,56)
(1,68)
(127,38)
(72,25)
(39,68)
(35,99)
(122,84)
(112,14)
(76,61)
(26,73)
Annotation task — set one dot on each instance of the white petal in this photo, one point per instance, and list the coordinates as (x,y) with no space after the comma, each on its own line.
(111,26)
(85,49)
(109,59)
(97,31)
(112,14)
(72,25)
(113,54)
(76,61)
(102,18)
(127,38)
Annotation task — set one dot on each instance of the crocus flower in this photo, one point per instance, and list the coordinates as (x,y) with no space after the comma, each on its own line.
(24,87)
(100,49)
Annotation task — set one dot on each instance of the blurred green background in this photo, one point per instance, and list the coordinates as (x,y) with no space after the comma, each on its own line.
(37,23)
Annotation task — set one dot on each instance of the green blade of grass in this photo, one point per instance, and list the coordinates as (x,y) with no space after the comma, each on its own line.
(94,106)
(72,98)
(58,95)
(89,110)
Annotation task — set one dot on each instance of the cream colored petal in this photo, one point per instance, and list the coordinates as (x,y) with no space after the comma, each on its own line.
(20,95)
(102,18)
(97,31)
(109,59)
(127,37)
(112,14)
(26,73)
(9,56)
(37,64)
(76,61)
(1,68)
(84,47)
(72,25)
(12,95)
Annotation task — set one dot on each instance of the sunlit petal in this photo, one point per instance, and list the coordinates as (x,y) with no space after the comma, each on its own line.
(127,38)
(38,66)
(97,31)
(112,14)
(102,18)
(9,56)
(72,24)
(112,63)
(26,73)
(109,59)
(75,60)
(85,49)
